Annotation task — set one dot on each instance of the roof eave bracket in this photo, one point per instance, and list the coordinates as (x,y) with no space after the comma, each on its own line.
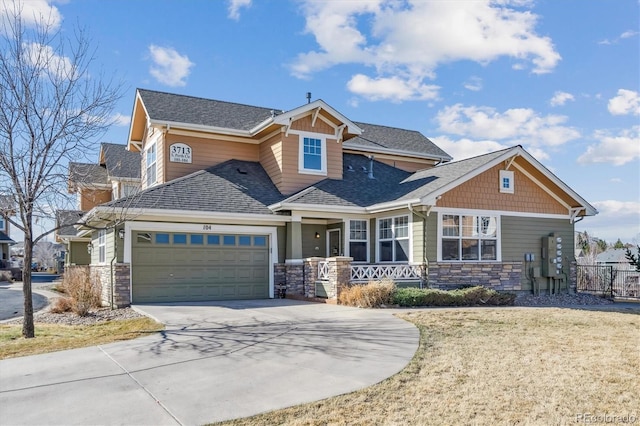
(315,116)
(573,213)
(510,161)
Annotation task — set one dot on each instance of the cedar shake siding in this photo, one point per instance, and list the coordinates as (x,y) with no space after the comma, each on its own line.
(483,193)
(89,198)
(205,153)
(271,158)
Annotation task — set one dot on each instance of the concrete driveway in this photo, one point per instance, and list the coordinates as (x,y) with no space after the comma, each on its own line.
(214,361)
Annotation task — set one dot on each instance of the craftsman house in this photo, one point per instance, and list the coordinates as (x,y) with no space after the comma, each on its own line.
(239,201)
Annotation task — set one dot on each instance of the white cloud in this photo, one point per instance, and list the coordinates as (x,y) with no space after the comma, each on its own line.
(615,219)
(626,102)
(473,83)
(32,12)
(626,34)
(391,88)
(517,126)
(121,119)
(169,67)
(560,98)
(46,58)
(617,149)
(410,39)
(466,148)
(235,6)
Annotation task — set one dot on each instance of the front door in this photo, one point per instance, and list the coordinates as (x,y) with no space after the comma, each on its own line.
(333,243)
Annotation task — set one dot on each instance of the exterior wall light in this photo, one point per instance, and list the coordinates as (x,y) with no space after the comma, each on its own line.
(121,234)
(317,235)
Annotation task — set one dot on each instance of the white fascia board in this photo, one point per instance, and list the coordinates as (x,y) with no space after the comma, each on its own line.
(201,128)
(285,118)
(392,205)
(355,147)
(297,207)
(180,216)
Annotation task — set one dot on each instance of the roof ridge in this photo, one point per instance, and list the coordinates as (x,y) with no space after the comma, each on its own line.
(492,153)
(208,99)
(390,127)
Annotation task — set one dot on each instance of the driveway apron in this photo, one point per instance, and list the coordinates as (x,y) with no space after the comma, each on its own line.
(214,361)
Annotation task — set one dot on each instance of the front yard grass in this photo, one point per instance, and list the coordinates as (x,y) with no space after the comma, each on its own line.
(526,366)
(51,337)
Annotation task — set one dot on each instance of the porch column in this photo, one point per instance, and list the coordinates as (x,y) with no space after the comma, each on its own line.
(339,274)
(294,240)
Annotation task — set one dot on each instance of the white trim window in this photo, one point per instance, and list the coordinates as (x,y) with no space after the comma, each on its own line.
(3,224)
(506,181)
(358,241)
(150,158)
(312,155)
(394,240)
(468,237)
(102,246)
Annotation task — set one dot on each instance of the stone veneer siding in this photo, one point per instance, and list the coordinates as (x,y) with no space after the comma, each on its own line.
(298,278)
(501,276)
(121,283)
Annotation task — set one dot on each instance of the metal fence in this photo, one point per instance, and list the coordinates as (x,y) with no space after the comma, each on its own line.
(610,281)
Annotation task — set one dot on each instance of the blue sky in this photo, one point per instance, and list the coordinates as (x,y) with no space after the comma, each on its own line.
(561,78)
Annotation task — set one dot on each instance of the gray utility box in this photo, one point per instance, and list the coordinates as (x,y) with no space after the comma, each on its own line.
(552,255)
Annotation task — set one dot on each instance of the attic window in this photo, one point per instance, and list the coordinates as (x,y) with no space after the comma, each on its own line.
(312,156)
(506,181)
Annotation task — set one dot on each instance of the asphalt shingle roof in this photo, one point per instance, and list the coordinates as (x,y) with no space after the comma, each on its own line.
(163,106)
(206,112)
(5,239)
(87,173)
(230,187)
(66,219)
(121,163)
(392,138)
(390,184)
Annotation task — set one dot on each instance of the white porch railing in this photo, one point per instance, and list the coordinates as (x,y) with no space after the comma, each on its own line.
(323,270)
(372,272)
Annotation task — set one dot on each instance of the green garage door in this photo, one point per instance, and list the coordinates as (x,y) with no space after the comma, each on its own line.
(182,267)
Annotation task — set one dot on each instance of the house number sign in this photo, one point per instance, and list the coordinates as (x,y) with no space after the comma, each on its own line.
(180,153)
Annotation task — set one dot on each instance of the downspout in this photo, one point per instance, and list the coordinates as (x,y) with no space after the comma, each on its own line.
(425,260)
(115,255)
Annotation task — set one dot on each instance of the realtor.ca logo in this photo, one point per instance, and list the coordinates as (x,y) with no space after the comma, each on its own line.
(590,418)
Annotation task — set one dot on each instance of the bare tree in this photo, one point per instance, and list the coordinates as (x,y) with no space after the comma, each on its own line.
(52,110)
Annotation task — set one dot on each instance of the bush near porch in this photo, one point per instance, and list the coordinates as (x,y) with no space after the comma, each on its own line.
(384,292)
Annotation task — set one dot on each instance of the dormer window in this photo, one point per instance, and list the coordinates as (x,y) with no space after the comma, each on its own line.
(312,157)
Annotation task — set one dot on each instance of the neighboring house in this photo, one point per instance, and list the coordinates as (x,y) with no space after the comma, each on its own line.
(5,239)
(237,201)
(115,175)
(625,281)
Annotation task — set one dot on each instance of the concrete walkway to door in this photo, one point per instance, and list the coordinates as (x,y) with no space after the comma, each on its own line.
(214,361)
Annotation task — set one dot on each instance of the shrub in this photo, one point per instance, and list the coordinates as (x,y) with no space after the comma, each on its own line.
(372,295)
(6,276)
(83,289)
(471,296)
(62,305)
